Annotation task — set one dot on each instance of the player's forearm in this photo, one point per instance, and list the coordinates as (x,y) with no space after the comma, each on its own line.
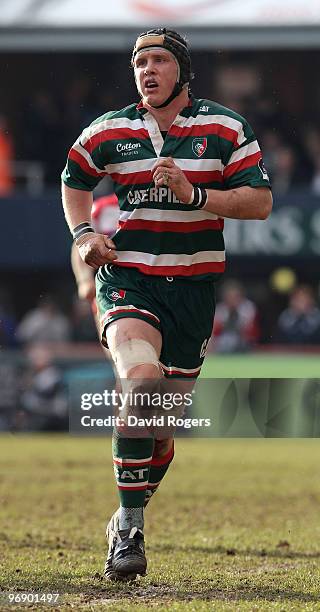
(240,203)
(77,205)
(81,271)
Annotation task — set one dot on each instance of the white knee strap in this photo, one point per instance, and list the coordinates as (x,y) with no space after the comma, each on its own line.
(132,353)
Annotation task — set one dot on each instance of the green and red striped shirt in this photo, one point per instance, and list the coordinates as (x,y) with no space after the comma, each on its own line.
(214,146)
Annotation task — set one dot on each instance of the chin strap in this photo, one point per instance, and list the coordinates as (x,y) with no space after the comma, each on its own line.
(175,92)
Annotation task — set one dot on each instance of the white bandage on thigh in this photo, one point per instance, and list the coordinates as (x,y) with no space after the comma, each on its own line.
(132,353)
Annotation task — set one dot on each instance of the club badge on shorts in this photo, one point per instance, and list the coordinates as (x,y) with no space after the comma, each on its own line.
(115,294)
(199,146)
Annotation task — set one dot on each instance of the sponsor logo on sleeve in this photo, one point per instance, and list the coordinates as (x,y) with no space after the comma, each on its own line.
(263,170)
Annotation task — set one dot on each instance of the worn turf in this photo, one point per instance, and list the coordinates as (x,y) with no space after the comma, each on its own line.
(235,525)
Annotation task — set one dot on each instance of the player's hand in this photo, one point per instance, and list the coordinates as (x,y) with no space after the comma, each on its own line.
(166,174)
(96,249)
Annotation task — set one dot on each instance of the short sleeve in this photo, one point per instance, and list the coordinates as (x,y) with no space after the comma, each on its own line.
(85,167)
(245,166)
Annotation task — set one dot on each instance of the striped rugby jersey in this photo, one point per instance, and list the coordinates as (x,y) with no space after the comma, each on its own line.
(214,146)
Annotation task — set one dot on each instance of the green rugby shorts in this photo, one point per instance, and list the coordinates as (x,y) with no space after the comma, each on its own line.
(182,310)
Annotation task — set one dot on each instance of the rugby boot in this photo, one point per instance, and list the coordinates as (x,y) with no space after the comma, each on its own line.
(113,538)
(128,554)
(111,535)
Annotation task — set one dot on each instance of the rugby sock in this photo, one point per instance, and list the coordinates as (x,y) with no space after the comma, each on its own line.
(132,458)
(130,517)
(158,468)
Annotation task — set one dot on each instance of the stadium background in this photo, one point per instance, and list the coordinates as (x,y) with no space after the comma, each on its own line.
(61,68)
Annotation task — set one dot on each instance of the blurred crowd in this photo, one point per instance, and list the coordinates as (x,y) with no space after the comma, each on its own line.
(287,126)
(239,326)
(45,323)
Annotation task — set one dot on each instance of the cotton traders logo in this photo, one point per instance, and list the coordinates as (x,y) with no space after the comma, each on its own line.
(199,146)
(128,148)
(115,294)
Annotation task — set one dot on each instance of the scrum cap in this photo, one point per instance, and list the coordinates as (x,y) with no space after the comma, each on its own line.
(173,42)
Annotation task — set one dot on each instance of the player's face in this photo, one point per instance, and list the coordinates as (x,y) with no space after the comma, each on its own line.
(156,75)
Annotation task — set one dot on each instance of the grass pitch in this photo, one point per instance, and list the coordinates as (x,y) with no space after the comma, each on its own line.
(262,365)
(234,526)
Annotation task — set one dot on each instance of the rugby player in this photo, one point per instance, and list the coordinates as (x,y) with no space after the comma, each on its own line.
(179,166)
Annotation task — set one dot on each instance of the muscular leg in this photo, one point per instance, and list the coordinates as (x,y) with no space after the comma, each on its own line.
(133,456)
(138,461)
